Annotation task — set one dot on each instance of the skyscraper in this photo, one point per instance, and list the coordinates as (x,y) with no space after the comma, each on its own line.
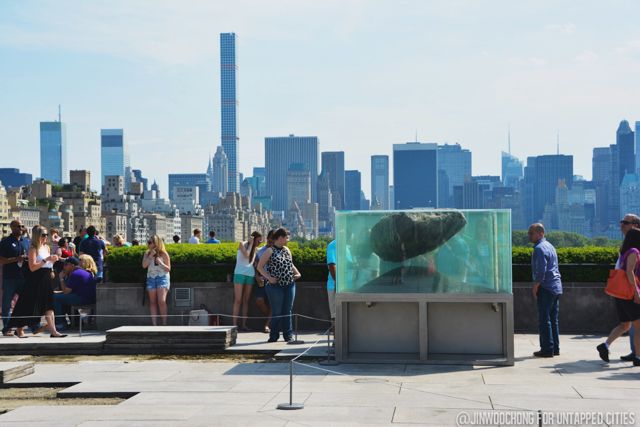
(455,163)
(511,170)
(415,175)
(333,165)
(601,176)
(53,151)
(229,105)
(298,185)
(626,154)
(637,147)
(114,156)
(200,180)
(380,181)
(352,190)
(220,172)
(10,177)
(549,169)
(280,154)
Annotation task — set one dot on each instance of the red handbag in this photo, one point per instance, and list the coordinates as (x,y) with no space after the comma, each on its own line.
(618,285)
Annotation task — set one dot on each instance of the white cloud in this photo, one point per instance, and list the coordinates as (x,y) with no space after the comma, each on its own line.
(587,56)
(567,28)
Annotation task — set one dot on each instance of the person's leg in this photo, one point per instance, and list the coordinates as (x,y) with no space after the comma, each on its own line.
(51,323)
(632,344)
(161,297)
(276,300)
(636,337)
(246,296)
(544,320)
(289,297)
(617,332)
(59,302)
(9,288)
(555,330)
(237,300)
(264,309)
(153,304)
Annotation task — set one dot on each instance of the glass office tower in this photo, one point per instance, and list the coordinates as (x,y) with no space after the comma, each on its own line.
(53,151)
(229,105)
(415,175)
(114,157)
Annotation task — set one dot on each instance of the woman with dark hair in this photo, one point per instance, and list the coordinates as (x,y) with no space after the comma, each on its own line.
(628,310)
(36,297)
(276,265)
(244,277)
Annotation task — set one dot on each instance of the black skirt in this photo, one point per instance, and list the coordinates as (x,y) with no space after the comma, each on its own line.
(35,298)
(628,311)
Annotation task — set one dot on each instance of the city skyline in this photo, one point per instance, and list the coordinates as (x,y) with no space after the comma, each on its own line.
(553,73)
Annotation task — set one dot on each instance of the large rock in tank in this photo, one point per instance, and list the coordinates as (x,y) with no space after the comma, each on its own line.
(405,235)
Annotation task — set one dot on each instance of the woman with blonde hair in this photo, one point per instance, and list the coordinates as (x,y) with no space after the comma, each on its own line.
(244,277)
(36,297)
(158,264)
(87,263)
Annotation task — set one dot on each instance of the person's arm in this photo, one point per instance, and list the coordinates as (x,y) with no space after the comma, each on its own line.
(332,271)
(147,259)
(263,262)
(67,289)
(105,251)
(632,261)
(164,261)
(539,266)
(244,250)
(296,273)
(8,260)
(34,264)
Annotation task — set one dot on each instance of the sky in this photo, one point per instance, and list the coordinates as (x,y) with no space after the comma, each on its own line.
(361,75)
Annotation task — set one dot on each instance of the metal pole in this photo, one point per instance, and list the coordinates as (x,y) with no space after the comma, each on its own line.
(79,321)
(296,340)
(329,361)
(290,405)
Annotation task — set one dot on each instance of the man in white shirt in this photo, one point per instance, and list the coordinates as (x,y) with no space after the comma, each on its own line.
(195,239)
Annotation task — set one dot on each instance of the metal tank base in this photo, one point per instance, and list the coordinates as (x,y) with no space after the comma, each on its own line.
(464,329)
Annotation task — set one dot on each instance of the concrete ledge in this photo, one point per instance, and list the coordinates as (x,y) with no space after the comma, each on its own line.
(13,370)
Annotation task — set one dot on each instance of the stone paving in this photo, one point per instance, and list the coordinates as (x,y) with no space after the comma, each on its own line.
(210,393)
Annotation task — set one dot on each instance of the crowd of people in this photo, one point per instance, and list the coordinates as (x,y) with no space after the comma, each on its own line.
(44,274)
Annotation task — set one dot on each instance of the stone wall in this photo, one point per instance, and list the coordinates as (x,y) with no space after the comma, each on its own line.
(584,307)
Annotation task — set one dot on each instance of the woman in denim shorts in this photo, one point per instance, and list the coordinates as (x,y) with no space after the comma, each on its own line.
(156,261)
(244,277)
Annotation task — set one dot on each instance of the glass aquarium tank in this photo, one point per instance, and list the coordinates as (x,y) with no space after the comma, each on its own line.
(424,251)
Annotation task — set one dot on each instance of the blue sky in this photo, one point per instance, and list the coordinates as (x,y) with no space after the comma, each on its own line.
(361,75)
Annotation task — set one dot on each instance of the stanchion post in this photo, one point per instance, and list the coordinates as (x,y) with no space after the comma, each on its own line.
(296,340)
(290,405)
(329,362)
(79,323)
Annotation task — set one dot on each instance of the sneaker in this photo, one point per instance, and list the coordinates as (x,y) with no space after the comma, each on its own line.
(272,340)
(288,339)
(603,351)
(543,354)
(628,358)
(556,352)
(636,361)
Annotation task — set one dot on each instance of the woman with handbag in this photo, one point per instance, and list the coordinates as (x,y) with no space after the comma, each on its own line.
(626,294)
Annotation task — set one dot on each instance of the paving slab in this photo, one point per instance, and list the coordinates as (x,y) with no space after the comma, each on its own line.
(10,371)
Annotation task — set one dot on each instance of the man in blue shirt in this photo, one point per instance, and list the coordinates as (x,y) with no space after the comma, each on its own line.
(12,256)
(212,238)
(547,288)
(331,279)
(95,248)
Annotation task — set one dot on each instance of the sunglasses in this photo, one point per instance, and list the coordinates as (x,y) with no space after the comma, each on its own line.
(44,235)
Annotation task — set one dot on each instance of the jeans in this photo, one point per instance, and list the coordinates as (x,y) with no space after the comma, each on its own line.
(9,288)
(281,301)
(548,309)
(60,300)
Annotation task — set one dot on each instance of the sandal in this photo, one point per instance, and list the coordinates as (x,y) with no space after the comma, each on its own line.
(20,336)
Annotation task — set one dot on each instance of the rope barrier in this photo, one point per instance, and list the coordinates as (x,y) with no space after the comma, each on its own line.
(178,315)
